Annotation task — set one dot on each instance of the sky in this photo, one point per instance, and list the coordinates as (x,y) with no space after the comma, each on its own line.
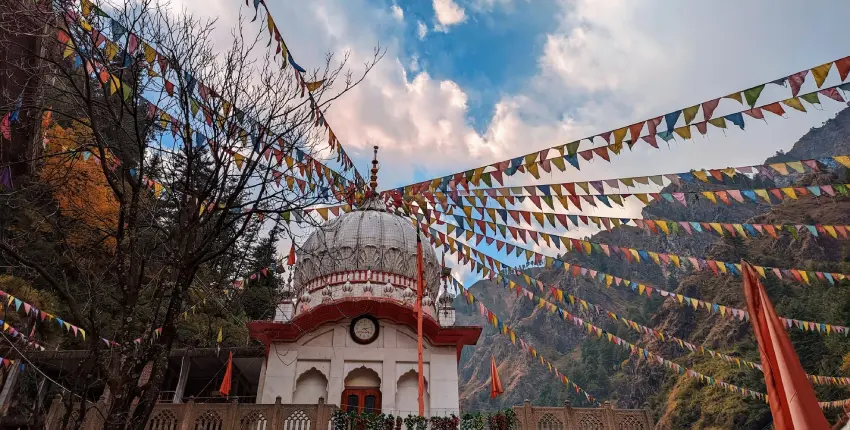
(465,83)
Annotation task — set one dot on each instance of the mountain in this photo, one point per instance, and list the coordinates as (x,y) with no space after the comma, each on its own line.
(607,371)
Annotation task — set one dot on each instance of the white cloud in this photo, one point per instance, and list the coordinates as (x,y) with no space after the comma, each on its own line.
(606,64)
(422,30)
(398,12)
(414,63)
(448,13)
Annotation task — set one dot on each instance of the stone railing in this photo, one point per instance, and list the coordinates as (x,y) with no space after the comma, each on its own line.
(570,418)
(228,416)
(206,416)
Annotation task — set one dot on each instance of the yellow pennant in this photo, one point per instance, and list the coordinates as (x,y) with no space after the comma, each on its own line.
(821,72)
(684,132)
(843,159)
(790,192)
(795,103)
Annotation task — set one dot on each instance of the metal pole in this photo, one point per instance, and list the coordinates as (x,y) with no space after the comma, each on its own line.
(420,280)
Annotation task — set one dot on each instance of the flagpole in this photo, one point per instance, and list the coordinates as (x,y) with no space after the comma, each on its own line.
(419,291)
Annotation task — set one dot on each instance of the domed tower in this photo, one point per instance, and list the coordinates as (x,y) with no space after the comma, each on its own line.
(346,329)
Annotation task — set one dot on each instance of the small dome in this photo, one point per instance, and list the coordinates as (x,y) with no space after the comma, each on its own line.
(369,238)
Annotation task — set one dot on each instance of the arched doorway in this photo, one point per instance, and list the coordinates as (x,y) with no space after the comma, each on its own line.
(362,391)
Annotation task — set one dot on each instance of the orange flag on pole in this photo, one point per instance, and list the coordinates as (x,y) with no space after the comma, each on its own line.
(290,260)
(792,400)
(495,382)
(225,384)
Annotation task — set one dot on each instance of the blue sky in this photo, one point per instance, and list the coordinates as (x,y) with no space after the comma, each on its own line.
(489,55)
(465,83)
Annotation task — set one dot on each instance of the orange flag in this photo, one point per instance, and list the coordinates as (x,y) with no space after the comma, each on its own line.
(291,259)
(225,384)
(495,382)
(792,400)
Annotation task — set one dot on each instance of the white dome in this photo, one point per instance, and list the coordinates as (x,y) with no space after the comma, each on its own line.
(369,238)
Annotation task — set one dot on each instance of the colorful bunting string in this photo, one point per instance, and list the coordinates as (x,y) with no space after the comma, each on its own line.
(562,297)
(30,310)
(534,162)
(465,252)
(633,349)
(652,226)
(232,115)
(632,255)
(16,334)
(506,330)
(306,87)
(706,176)
(575,202)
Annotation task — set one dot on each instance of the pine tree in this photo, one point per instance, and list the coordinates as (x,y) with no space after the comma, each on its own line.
(260,293)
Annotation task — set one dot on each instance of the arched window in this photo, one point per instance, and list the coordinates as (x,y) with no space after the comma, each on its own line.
(407,394)
(311,385)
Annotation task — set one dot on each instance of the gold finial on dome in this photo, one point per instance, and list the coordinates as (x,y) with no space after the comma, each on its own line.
(373,180)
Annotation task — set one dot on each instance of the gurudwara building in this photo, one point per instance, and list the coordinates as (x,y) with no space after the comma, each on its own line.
(346,330)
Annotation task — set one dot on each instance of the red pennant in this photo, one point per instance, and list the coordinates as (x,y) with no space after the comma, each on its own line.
(843,66)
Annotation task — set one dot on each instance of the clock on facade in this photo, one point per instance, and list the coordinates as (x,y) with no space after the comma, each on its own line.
(364,329)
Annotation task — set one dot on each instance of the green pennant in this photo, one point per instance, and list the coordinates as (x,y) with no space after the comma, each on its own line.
(811,98)
(690,113)
(486,178)
(753,94)
(718,122)
(572,148)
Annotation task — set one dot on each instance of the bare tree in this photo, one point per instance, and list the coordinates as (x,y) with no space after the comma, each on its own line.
(162,159)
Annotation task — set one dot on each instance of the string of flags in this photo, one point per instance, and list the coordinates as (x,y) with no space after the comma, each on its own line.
(16,334)
(652,226)
(614,139)
(633,255)
(230,117)
(506,330)
(542,303)
(307,88)
(465,253)
(561,297)
(30,310)
(705,176)
(633,349)
(574,202)
(834,404)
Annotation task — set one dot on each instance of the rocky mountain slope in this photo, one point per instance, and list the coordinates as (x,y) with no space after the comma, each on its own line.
(678,402)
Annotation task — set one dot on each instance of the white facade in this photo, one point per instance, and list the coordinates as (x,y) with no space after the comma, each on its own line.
(328,355)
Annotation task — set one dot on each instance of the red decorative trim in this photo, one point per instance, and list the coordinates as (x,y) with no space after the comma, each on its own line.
(269,332)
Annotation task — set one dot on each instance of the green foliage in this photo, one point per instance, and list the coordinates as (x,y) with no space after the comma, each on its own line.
(415,422)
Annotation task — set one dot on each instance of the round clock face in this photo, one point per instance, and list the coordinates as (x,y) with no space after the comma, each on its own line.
(364,329)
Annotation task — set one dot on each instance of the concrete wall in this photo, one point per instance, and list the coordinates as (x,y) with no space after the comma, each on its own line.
(330,351)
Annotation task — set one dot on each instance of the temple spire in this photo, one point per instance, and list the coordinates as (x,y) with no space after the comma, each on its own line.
(373,180)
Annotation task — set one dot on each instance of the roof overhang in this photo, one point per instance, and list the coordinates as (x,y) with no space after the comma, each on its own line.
(392,310)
